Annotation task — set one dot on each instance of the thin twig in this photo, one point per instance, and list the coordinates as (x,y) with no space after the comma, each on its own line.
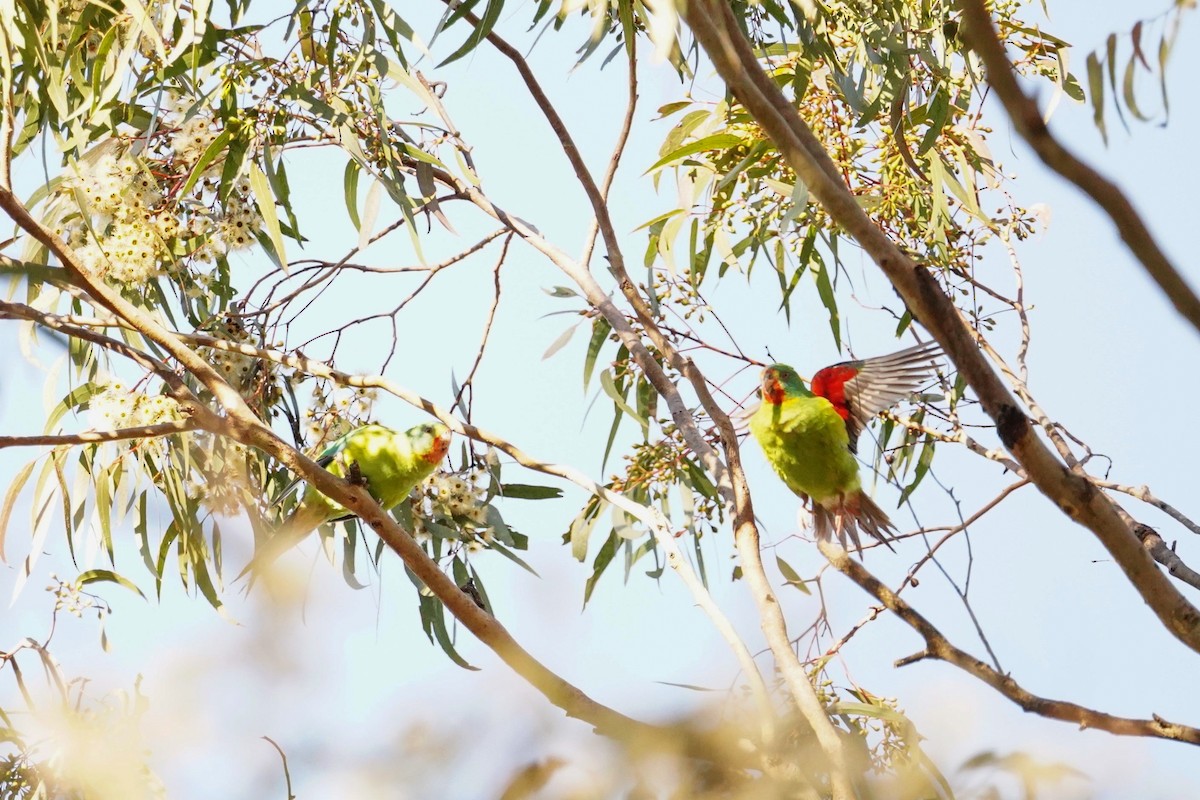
(1144,494)
(1166,556)
(487,332)
(287,775)
(90,437)
(618,150)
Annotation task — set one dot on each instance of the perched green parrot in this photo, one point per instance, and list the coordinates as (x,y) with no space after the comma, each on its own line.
(810,436)
(388,463)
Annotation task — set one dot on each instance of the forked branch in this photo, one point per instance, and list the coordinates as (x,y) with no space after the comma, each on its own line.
(938,647)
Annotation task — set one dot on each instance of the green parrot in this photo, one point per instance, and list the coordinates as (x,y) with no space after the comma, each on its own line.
(389,465)
(810,436)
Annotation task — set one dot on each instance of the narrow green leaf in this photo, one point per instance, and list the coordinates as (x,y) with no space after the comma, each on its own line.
(600,331)
(264,198)
(491,14)
(1111,61)
(671,108)
(790,576)
(603,559)
(560,342)
(433,615)
(1096,90)
(718,141)
(74,399)
(215,149)
(10,499)
(939,112)
(104,511)
(108,576)
(610,389)
(582,525)
(1164,52)
(829,300)
(1128,91)
(370,214)
(350,189)
(527,491)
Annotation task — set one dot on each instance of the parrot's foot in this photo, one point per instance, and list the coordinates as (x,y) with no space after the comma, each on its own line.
(354,475)
(472,591)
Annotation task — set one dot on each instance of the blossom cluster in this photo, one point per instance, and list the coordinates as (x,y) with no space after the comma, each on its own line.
(336,410)
(70,597)
(118,406)
(457,500)
(238,369)
(132,226)
(122,235)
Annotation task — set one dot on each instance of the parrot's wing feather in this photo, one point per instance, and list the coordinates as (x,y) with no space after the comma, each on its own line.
(876,384)
(326,458)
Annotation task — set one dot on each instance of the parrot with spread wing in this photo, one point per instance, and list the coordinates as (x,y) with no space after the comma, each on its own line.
(810,436)
(388,463)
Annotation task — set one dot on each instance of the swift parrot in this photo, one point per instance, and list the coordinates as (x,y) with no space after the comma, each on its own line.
(389,464)
(810,435)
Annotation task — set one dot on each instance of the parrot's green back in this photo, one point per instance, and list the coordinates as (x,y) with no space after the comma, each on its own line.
(806,442)
(391,463)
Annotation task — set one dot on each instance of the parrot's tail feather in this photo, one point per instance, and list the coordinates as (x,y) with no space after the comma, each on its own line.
(848,517)
(288,535)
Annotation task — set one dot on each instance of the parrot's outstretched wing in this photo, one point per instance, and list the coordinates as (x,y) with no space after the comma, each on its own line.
(859,390)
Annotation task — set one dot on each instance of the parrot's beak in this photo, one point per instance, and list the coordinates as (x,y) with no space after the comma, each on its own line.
(772,389)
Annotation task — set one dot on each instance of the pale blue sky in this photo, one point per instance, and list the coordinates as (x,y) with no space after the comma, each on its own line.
(346,680)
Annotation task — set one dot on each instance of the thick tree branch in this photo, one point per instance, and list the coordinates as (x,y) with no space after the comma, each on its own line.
(175,385)
(651,517)
(240,423)
(938,647)
(718,33)
(980,36)
(730,477)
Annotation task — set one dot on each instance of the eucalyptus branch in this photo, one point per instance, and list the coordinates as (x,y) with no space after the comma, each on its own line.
(92,437)
(980,34)
(1144,494)
(175,385)
(240,423)
(651,517)
(938,647)
(730,478)
(1166,556)
(487,333)
(732,55)
(959,436)
(618,150)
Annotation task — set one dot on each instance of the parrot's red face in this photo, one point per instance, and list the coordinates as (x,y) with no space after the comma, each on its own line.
(772,388)
(441,444)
